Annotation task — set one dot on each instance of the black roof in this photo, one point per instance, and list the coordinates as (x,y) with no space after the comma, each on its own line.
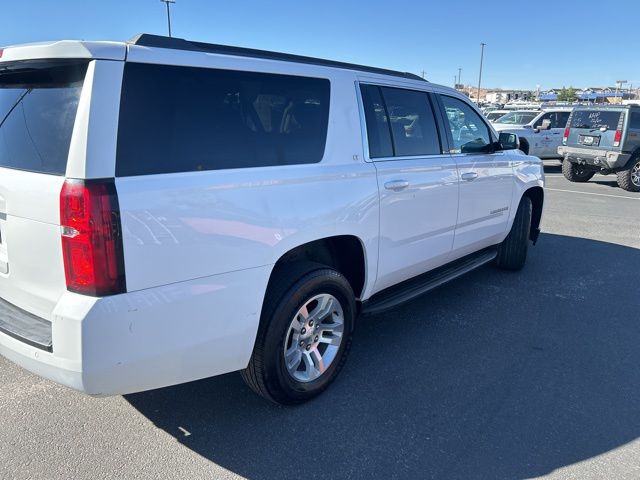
(159,41)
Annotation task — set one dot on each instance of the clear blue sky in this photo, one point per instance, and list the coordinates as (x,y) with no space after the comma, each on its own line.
(551,43)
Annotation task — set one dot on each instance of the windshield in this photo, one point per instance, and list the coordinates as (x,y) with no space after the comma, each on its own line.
(494,115)
(517,118)
(38,104)
(595,119)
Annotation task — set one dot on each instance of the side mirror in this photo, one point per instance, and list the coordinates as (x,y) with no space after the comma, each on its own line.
(508,141)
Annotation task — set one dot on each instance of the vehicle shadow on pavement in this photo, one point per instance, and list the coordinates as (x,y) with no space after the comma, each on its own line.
(496,375)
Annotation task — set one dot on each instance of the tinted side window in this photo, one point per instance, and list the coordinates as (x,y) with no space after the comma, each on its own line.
(557,119)
(180,119)
(413,126)
(546,116)
(634,121)
(561,120)
(470,133)
(378,132)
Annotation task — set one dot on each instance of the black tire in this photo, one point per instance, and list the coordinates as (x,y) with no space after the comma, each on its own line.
(289,289)
(524,146)
(512,253)
(629,179)
(576,173)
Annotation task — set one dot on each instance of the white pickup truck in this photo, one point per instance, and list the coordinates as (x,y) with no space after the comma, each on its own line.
(540,131)
(173,210)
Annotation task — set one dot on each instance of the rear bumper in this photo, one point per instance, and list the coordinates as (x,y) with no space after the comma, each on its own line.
(150,338)
(610,160)
(29,328)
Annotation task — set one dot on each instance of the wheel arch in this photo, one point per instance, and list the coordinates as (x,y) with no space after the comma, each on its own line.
(536,195)
(344,253)
(634,156)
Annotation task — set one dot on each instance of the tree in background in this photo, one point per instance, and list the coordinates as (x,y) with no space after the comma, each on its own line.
(567,95)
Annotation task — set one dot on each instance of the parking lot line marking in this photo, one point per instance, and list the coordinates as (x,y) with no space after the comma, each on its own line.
(592,193)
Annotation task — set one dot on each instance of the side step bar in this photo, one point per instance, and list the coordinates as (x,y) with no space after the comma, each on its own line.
(416,286)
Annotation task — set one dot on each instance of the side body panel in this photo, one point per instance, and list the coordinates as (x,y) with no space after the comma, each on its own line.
(485,201)
(178,227)
(417,222)
(485,193)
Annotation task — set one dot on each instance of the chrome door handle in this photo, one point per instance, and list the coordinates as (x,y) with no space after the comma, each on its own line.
(396,185)
(468,176)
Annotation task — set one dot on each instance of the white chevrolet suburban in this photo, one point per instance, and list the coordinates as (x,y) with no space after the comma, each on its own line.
(540,132)
(173,210)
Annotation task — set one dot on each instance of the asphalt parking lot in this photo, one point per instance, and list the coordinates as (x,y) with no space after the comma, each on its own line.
(496,375)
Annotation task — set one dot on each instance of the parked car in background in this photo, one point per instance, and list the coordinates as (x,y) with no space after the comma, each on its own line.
(174,210)
(540,131)
(603,139)
(495,114)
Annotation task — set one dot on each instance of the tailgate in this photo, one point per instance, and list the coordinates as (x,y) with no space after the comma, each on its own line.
(38,104)
(596,129)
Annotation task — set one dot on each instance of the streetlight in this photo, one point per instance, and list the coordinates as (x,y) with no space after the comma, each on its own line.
(619,84)
(167,2)
(482,45)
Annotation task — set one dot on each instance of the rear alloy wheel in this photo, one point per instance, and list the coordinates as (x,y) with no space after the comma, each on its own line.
(304,336)
(629,180)
(314,338)
(576,173)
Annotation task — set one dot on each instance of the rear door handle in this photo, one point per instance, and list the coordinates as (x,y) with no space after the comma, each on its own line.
(469,176)
(396,185)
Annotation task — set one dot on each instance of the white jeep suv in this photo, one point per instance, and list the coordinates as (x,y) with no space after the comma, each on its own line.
(540,132)
(173,210)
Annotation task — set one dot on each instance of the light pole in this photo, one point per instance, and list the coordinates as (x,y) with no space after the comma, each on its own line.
(619,84)
(459,75)
(482,45)
(167,3)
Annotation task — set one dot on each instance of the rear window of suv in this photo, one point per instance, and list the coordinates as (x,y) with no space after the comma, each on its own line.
(594,119)
(184,119)
(38,105)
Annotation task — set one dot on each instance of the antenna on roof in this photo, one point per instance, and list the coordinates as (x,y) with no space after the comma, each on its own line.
(167,2)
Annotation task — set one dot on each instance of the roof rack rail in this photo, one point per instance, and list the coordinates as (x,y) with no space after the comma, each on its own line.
(159,41)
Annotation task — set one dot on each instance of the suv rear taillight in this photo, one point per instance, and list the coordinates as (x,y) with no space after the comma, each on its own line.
(617,138)
(565,137)
(91,237)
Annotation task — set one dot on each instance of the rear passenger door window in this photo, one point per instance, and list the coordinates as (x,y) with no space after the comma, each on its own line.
(413,126)
(400,122)
(184,119)
(470,134)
